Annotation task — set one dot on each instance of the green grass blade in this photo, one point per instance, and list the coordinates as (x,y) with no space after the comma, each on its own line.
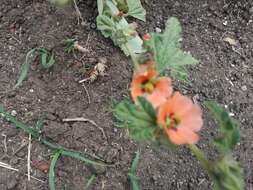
(51,170)
(78,156)
(135,162)
(134,180)
(90,181)
(25,67)
(19,124)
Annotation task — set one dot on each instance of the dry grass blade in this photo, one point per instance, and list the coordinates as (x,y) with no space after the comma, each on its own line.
(29,158)
(9,167)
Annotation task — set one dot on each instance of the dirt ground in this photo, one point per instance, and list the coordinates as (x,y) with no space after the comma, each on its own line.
(225,74)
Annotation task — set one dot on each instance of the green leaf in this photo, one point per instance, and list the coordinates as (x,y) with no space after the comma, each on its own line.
(136,10)
(167,52)
(134,180)
(113,8)
(19,124)
(147,106)
(25,67)
(227,174)
(106,25)
(51,179)
(47,59)
(100,5)
(230,134)
(139,119)
(39,124)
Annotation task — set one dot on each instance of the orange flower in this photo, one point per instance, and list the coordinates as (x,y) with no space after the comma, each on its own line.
(180,119)
(147,83)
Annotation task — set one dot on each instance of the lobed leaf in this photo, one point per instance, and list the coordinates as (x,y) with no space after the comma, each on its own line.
(230,134)
(136,10)
(106,25)
(167,52)
(139,119)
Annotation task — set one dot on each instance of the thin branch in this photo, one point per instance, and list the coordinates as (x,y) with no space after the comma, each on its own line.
(82,119)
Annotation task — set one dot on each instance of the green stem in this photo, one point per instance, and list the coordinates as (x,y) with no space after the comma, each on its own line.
(133,57)
(201,157)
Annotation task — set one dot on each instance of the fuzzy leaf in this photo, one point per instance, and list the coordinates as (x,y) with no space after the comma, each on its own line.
(230,134)
(100,5)
(139,119)
(106,25)
(136,10)
(227,174)
(167,52)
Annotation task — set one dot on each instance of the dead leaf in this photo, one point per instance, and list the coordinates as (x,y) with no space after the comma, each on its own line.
(231,41)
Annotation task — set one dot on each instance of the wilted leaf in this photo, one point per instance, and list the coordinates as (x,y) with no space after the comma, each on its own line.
(167,52)
(231,41)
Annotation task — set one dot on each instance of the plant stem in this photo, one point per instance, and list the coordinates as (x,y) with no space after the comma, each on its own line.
(133,57)
(201,157)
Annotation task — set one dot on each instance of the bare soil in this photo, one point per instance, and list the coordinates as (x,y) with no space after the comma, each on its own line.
(225,74)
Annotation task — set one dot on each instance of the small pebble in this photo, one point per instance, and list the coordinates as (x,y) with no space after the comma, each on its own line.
(158,30)
(93,25)
(231,114)
(244,88)
(31,90)
(13,113)
(225,23)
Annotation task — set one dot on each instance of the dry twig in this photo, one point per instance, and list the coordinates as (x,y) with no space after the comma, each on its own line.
(87,92)
(78,12)
(82,119)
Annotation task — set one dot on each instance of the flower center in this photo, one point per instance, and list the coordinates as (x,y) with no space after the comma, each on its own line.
(172,121)
(148,87)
